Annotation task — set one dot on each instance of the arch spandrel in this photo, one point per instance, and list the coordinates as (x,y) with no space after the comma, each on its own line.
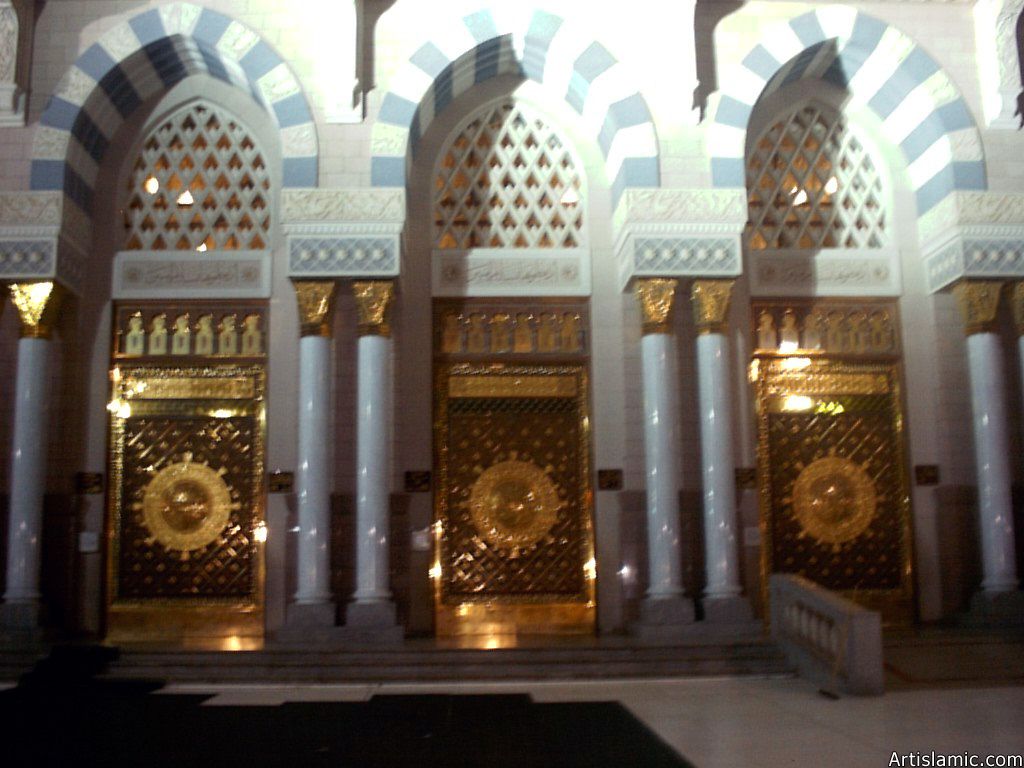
(921,110)
(529,43)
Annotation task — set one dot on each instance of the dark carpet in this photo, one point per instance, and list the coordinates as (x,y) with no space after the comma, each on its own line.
(60,715)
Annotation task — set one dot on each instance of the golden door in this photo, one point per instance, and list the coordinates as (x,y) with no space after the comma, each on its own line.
(514,544)
(835,506)
(185,511)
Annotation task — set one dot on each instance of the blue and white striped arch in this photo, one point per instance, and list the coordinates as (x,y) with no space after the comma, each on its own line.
(147,55)
(921,110)
(533,44)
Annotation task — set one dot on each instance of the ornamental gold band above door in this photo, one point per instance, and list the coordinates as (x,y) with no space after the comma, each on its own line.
(186,453)
(834,501)
(514,548)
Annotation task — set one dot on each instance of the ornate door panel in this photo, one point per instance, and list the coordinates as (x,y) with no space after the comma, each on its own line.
(186,500)
(834,495)
(515,542)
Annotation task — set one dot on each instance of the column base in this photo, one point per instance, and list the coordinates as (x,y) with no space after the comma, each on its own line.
(309,624)
(663,618)
(995,610)
(375,622)
(21,617)
(314,626)
(727,610)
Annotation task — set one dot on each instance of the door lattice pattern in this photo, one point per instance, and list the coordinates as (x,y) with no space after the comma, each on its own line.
(224,568)
(199,183)
(812,184)
(484,432)
(836,507)
(507,181)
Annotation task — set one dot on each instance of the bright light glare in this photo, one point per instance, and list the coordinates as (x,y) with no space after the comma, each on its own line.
(260,532)
(832,185)
(152,185)
(185,198)
(795,363)
(788,346)
(797,403)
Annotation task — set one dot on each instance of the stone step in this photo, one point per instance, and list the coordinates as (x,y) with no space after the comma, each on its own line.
(440,664)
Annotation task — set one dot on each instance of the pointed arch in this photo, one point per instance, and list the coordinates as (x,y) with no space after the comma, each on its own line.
(529,43)
(921,110)
(149,54)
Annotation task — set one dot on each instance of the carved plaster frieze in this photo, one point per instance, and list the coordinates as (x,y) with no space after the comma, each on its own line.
(682,206)
(973,235)
(172,274)
(512,272)
(679,233)
(343,206)
(31,209)
(828,273)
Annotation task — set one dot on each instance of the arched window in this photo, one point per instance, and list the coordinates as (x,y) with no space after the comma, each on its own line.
(199,183)
(812,184)
(506,180)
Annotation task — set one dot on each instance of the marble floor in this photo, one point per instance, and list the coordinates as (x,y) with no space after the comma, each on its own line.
(744,721)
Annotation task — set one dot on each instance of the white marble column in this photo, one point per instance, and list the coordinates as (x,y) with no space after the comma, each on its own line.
(663,603)
(37,305)
(979,301)
(372,605)
(722,601)
(313,475)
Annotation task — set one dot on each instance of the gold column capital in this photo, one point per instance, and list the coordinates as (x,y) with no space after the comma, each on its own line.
(656,296)
(316,306)
(978,301)
(38,305)
(710,299)
(373,305)
(1018,307)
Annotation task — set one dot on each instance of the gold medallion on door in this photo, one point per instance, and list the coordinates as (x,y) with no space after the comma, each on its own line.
(514,548)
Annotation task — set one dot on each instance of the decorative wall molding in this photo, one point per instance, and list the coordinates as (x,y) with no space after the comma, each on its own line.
(343,232)
(173,274)
(343,205)
(512,272)
(976,259)
(343,256)
(973,235)
(680,233)
(826,273)
(28,259)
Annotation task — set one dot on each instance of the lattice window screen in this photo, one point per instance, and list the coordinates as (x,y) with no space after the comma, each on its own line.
(507,181)
(811,184)
(199,183)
